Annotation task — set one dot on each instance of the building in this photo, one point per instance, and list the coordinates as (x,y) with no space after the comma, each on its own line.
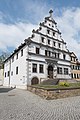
(75,67)
(1,74)
(42,56)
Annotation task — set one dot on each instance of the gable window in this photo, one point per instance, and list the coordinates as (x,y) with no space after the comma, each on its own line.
(66,71)
(45,52)
(13,59)
(58,55)
(16,70)
(34,68)
(64,56)
(22,52)
(48,31)
(42,38)
(54,43)
(37,50)
(53,33)
(59,70)
(41,68)
(8,73)
(48,41)
(59,45)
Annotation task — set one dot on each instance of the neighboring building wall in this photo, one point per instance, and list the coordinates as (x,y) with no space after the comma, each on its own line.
(19,79)
(1,76)
(75,67)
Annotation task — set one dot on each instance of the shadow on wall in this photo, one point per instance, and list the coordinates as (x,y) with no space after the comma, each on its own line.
(4,90)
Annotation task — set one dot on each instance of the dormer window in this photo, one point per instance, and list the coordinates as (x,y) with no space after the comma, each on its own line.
(42,38)
(48,41)
(48,31)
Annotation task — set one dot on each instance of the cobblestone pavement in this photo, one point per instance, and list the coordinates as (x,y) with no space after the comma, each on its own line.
(23,105)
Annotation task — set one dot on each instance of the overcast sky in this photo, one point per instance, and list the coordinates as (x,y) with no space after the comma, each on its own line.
(19,17)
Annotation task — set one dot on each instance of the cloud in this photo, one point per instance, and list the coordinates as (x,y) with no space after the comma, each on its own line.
(11,35)
(69,24)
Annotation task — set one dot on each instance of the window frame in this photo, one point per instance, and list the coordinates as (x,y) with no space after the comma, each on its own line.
(66,71)
(41,68)
(34,69)
(17,71)
(59,70)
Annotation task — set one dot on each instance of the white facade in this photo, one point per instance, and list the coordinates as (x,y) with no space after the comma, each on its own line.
(45,56)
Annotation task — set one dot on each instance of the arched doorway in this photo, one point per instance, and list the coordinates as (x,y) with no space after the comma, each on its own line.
(50,71)
(34,81)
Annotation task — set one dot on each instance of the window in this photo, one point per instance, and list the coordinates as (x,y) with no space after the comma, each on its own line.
(22,52)
(54,43)
(53,33)
(12,73)
(34,68)
(58,55)
(48,31)
(17,56)
(13,59)
(59,70)
(45,52)
(42,38)
(16,70)
(64,56)
(59,45)
(48,41)
(55,55)
(77,76)
(37,50)
(74,75)
(8,74)
(41,68)
(71,75)
(66,71)
(5,74)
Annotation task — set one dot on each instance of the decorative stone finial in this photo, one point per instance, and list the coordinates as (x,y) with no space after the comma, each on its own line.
(51,11)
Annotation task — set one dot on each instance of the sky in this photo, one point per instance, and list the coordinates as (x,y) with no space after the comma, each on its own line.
(19,17)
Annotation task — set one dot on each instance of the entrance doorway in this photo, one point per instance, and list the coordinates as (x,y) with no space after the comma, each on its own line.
(50,71)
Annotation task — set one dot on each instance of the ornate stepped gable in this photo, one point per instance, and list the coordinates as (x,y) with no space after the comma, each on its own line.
(49,24)
(48,30)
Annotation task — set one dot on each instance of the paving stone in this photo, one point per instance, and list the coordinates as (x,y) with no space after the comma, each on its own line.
(23,105)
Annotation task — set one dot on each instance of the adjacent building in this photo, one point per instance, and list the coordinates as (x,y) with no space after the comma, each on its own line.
(42,56)
(1,73)
(75,67)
